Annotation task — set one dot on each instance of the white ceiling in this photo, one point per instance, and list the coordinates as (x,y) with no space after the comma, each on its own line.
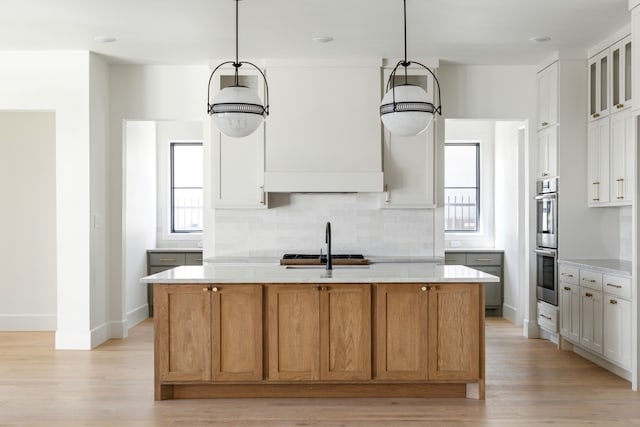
(199,31)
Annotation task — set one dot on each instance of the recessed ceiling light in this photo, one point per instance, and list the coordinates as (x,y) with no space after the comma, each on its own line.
(104,39)
(324,39)
(540,39)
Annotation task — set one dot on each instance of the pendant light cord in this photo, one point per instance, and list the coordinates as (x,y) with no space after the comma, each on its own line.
(405,64)
(237,63)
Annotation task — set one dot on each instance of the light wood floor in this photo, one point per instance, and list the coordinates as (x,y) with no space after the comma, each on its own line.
(529,382)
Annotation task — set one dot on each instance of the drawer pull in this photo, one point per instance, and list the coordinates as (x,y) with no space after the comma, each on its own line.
(545,123)
(168,260)
(620,106)
(566,288)
(215,289)
(198,259)
(546,317)
(588,295)
(483,259)
(596,115)
(567,274)
(424,288)
(612,301)
(589,280)
(614,286)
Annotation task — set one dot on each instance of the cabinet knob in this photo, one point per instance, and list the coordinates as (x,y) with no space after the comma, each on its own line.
(434,288)
(620,106)
(545,124)
(205,289)
(588,295)
(596,115)
(215,289)
(612,301)
(424,288)
(566,288)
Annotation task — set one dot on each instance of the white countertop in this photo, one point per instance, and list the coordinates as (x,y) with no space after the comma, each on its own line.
(374,273)
(614,266)
(276,260)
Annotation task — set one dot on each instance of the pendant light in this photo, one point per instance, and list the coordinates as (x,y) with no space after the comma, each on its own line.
(405,109)
(236,110)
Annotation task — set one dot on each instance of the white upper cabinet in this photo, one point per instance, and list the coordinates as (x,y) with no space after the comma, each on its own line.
(598,169)
(599,85)
(408,162)
(238,163)
(611,131)
(622,157)
(323,133)
(621,75)
(548,152)
(548,96)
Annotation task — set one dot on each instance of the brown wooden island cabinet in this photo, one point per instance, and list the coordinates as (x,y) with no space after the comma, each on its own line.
(319,340)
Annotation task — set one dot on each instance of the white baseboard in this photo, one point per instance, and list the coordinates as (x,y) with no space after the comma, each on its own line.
(510,313)
(28,322)
(73,339)
(137,315)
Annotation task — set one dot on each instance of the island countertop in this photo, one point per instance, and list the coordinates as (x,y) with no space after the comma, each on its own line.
(374,273)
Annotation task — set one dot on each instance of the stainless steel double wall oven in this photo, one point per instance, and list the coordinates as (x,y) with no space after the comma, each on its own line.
(547,239)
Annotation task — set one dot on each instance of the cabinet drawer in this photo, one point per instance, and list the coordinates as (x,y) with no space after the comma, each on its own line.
(569,274)
(157,269)
(618,286)
(591,279)
(548,318)
(166,258)
(480,258)
(455,258)
(193,258)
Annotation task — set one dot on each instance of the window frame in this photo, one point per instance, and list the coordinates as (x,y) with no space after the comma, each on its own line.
(478,186)
(172,187)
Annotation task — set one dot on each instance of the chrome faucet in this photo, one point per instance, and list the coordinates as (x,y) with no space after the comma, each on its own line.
(327,239)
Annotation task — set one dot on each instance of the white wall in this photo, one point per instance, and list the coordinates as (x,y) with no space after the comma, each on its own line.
(140,213)
(63,87)
(296,223)
(143,93)
(99,110)
(28,245)
(626,233)
(509,224)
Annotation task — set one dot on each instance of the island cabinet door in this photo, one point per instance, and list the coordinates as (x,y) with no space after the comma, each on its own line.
(182,333)
(400,331)
(293,328)
(345,332)
(237,332)
(455,331)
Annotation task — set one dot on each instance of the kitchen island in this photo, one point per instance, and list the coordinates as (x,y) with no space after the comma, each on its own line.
(402,330)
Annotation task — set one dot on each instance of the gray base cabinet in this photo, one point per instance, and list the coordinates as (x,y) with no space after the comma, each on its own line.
(489,262)
(159,261)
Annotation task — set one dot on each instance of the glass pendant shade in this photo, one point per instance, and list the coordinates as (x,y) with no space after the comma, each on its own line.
(237,111)
(406,111)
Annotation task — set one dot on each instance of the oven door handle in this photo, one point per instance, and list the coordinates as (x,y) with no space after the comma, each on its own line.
(546,196)
(545,252)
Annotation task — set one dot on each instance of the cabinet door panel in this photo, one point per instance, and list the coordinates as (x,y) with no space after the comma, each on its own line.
(345,339)
(401,332)
(617,331)
(454,332)
(293,316)
(622,155)
(598,167)
(183,332)
(237,333)
(548,96)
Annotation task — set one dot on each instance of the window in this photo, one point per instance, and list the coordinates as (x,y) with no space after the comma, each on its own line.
(462,187)
(186,187)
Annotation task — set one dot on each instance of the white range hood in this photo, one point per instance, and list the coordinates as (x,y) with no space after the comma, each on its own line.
(324,132)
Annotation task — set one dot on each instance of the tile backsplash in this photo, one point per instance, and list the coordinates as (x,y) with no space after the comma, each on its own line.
(296,223)
(626,231)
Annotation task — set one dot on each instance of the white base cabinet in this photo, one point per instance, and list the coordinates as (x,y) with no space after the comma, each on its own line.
(595,312)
